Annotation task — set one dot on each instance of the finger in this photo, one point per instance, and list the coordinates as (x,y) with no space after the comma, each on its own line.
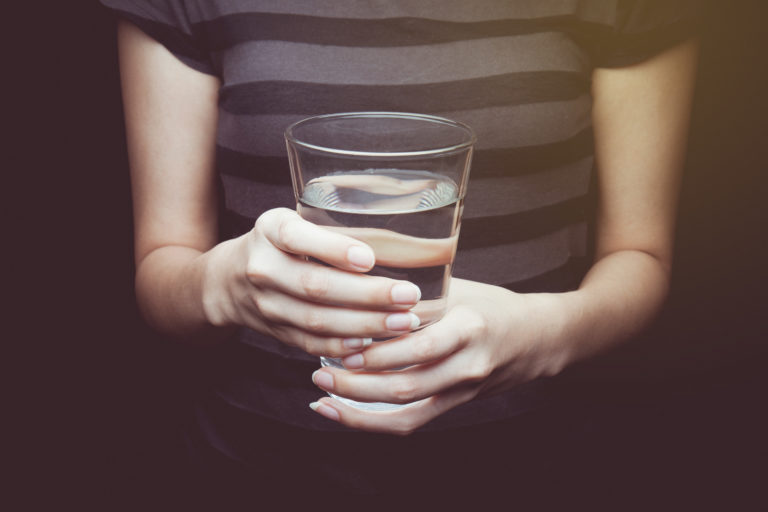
(317,345)
(388,246)
(324,320)
(286,230)
(441,339)
(320,346)
(323,284)
(400,422)
(403,386)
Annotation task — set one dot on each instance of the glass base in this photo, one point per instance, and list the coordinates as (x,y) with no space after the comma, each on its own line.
(365,406)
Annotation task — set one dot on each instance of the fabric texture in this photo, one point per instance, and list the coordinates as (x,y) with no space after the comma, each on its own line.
(518,72)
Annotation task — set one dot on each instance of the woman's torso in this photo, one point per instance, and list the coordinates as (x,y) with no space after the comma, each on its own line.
(514,71)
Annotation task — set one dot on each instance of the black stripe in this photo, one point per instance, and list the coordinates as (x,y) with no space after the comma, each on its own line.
(486,163)
(230,30)
(269,170)
(519,227)
(288,97)
(233,224)
(561,279)
(629,48)
(505,162)
(175,40)
(478,232)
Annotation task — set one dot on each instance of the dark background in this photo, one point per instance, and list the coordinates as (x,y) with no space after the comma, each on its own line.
(688,409)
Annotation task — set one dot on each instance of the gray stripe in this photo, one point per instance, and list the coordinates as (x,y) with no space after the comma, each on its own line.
(498,127)
(447,10)
(523,260)
(494,264)
(527,124)
(500,196)
(279,60)
(493,196)
(276,97)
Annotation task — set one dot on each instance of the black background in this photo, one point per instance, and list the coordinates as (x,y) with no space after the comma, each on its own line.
(98,395)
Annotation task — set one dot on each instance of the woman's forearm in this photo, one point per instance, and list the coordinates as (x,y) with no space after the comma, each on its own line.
(169,292)
(619,297)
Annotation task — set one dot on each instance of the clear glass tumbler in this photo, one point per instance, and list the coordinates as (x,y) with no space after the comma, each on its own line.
(393,180)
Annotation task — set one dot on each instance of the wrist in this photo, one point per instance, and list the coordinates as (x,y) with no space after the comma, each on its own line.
(570,325)
(215,297)
(618,299)
(562,316)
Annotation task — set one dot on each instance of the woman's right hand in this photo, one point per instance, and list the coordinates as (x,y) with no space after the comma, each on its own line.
(264,280)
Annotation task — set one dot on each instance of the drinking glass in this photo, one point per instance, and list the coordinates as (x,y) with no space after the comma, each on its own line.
(393,180)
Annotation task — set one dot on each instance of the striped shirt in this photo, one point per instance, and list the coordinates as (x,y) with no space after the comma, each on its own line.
(517,72)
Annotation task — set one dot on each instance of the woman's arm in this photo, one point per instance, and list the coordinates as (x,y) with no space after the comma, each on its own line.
(492,339)
(171,115)
(186,283)
(641,117)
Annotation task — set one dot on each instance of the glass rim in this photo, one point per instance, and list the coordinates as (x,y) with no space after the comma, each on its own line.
(471,139)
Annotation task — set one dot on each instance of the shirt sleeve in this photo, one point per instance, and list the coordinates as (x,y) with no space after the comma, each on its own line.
(168,22)
(644,28)
(632,31)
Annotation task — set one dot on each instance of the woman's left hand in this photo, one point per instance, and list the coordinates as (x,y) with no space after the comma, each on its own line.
(489,340)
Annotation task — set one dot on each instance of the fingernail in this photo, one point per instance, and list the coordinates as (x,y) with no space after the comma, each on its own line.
(402,322)
(405,293)
(323,379)
(325,410)
(360,257)
(356,342)
(353,362)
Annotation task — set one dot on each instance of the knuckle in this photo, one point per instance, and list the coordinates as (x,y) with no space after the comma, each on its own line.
(258,226)
(404,389)
(265,220)
(260,264)
(321,347)
(405,427)
(216,313)
(287,234)
(285,335)
(425,348)
(480,370)
(314,321)
(334,349)
(308,344)
(474,327)
(403,431)
(265,308)
(258,303)
(255,272)
(315,283)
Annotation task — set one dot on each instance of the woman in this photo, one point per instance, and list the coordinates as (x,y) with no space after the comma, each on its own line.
(575,104)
